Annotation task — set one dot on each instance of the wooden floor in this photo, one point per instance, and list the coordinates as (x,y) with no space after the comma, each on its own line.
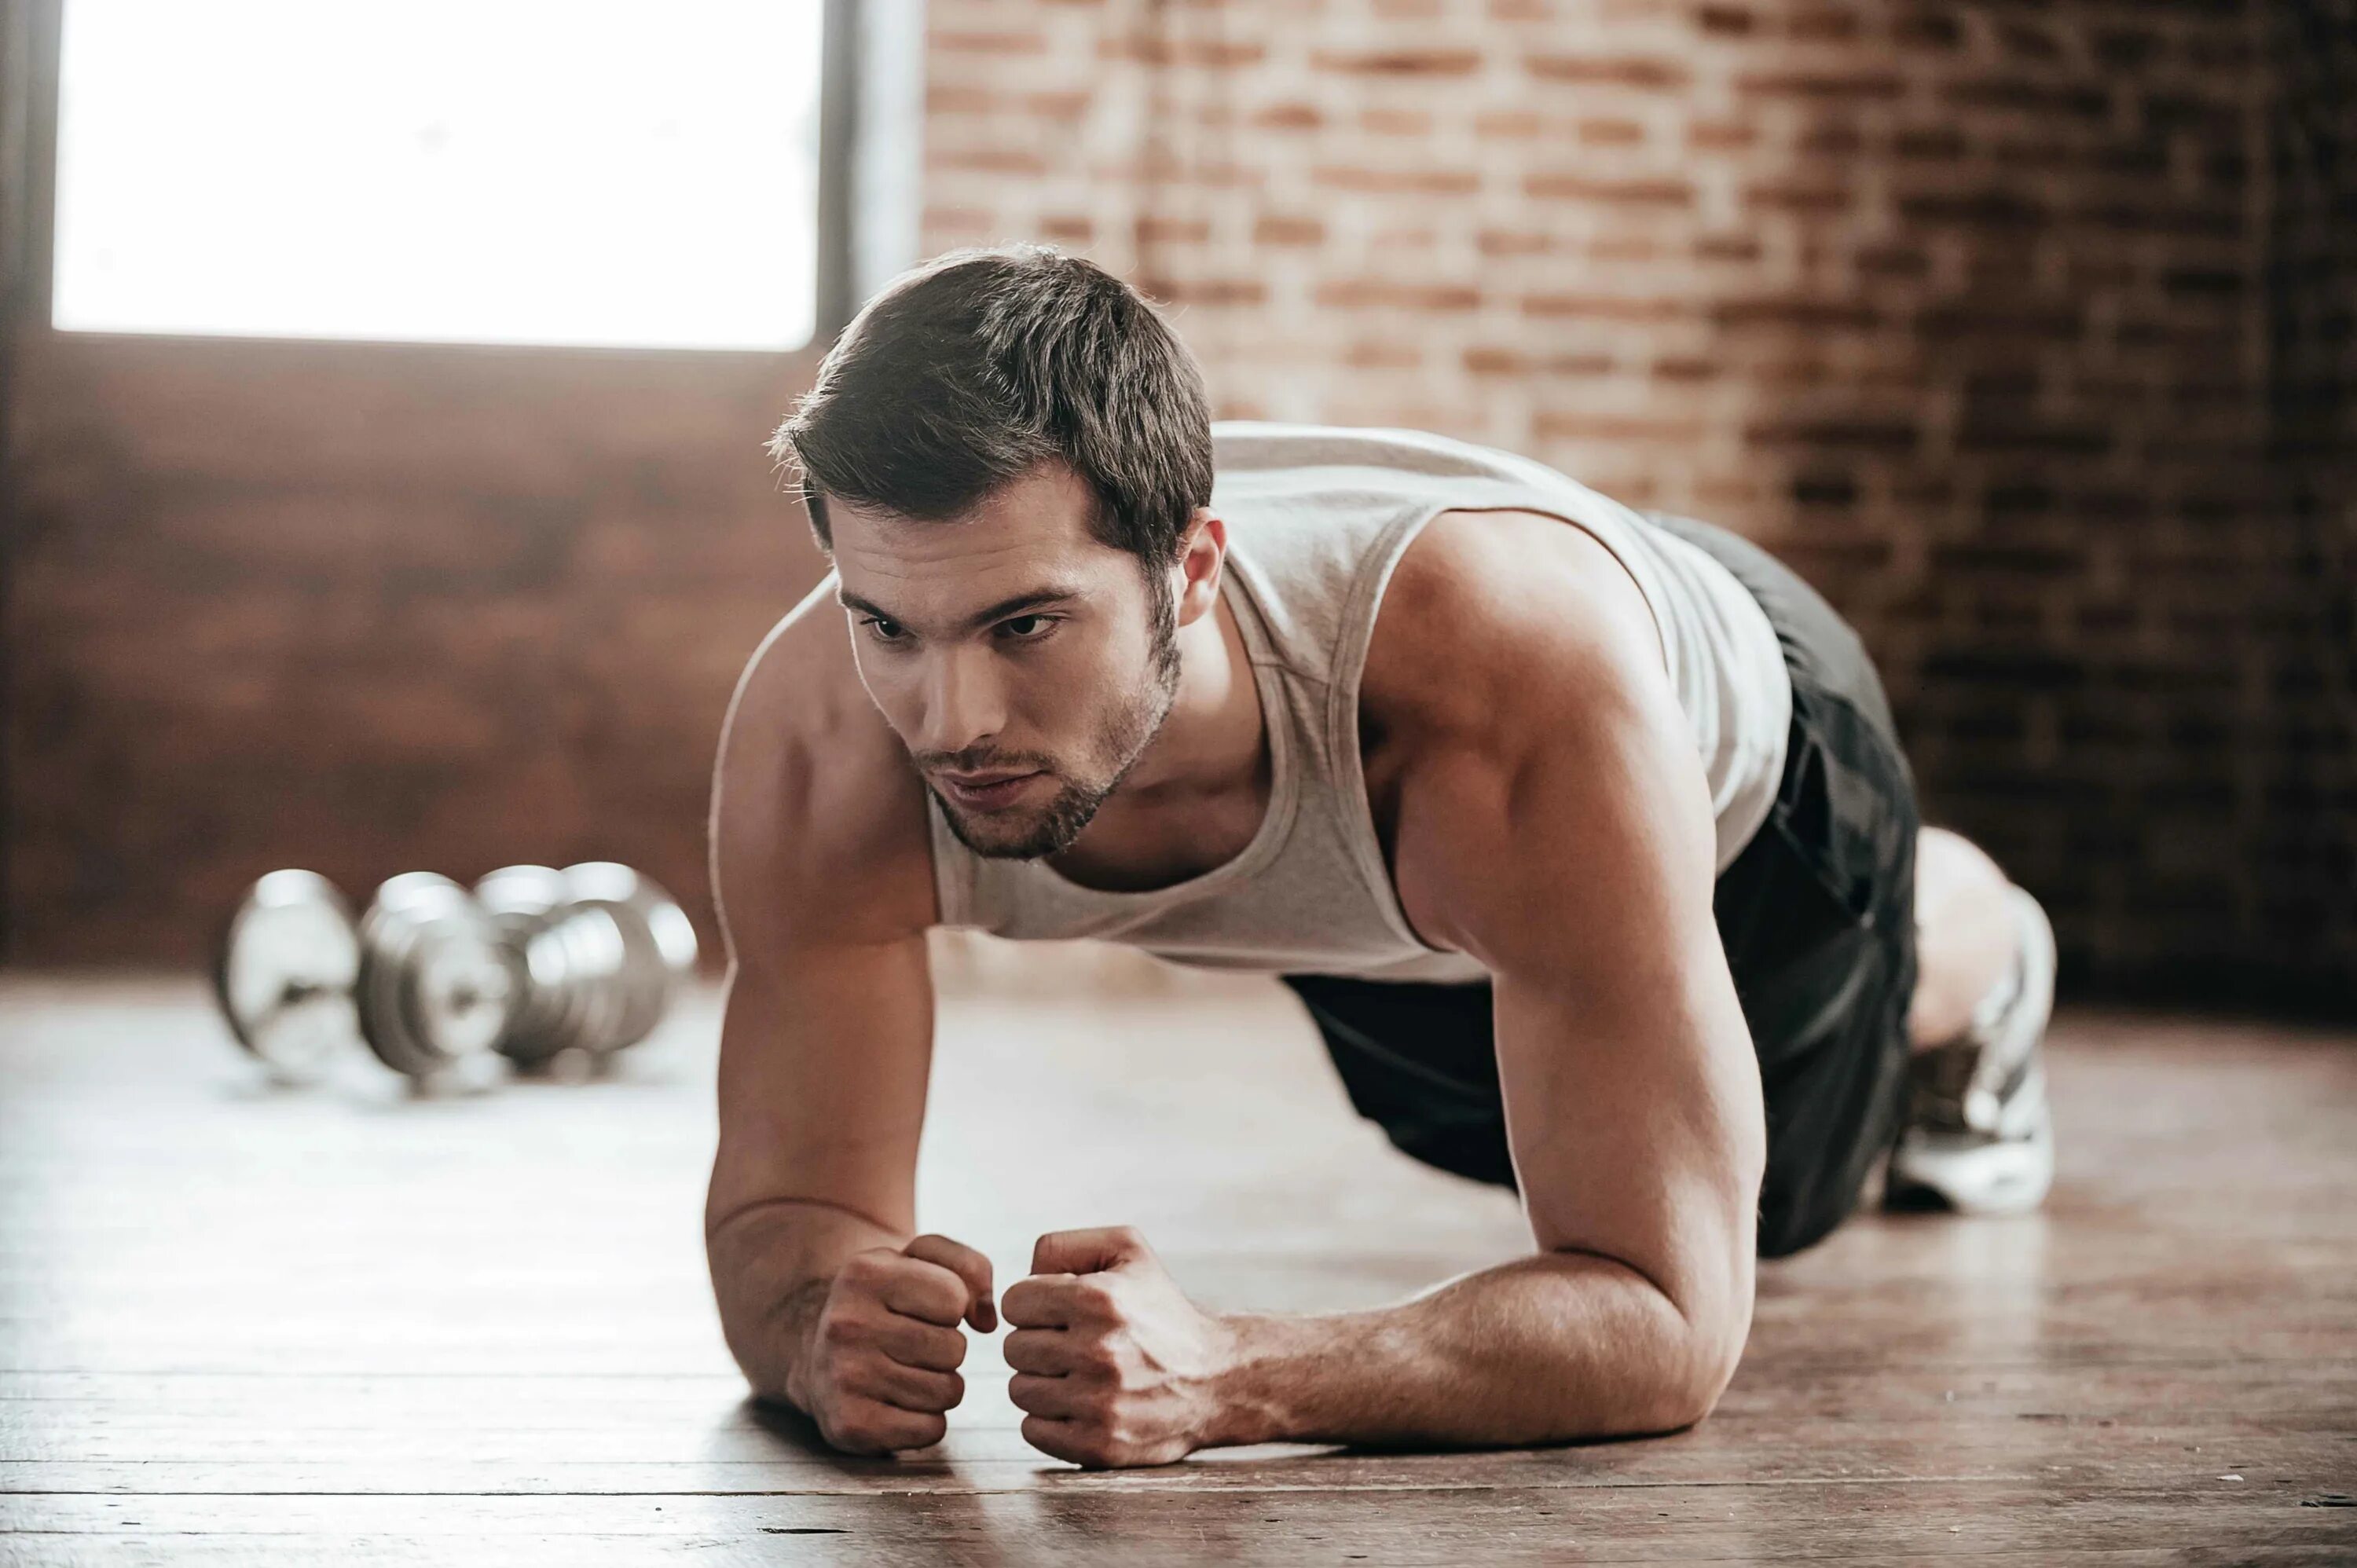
(343,1326)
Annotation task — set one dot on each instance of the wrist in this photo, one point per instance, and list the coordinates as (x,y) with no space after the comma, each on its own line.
(799,1320)
(1246,1408)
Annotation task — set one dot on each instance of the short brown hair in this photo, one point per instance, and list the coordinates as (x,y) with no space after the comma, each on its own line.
(968,370)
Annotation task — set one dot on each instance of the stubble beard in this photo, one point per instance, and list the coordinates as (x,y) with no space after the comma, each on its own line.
(1061,821)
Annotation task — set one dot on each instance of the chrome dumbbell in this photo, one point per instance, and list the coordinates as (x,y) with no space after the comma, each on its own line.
(596,950)
(283,973)
(554,969)
(436,993)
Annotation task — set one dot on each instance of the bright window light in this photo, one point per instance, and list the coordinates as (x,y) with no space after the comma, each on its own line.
(593,171)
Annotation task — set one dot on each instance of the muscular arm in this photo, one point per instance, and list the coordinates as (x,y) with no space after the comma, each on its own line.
(1558,828)
(825,885)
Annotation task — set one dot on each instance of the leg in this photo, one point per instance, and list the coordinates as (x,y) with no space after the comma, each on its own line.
(1965,934)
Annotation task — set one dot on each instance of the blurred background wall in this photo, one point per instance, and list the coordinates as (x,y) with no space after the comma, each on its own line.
(2023,330)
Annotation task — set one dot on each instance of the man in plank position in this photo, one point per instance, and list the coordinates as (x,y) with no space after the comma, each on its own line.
(1582,833)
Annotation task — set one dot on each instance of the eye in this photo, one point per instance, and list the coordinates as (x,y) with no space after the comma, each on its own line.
(1041,621)
(876,629)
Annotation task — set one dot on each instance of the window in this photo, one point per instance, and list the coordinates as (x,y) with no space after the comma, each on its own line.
(591,172)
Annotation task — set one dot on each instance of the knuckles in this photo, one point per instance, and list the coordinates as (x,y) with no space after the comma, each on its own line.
(866,1270)
(840,1329)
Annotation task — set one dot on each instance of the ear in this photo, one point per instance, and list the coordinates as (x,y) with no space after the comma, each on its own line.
(1202,556)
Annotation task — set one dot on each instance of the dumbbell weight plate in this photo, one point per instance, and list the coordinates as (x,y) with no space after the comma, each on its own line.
(521,901)
(660,941)
(434,990)
(583,960)
(571,962)
(283,973)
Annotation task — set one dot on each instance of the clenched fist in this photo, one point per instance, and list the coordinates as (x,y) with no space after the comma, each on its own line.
(881,1365)
(1112,1364)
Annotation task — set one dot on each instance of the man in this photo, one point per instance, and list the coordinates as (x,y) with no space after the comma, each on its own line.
(1583,834)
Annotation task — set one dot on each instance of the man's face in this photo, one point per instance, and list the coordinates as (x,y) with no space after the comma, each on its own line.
(1006,640)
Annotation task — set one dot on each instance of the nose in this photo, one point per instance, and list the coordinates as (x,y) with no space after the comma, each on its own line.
(965,702)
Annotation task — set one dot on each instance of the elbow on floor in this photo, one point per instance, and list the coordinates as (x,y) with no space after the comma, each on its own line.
(1677,1408)
(1687,1400)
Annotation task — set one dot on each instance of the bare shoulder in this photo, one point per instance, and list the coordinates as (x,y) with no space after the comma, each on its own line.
(1506,641)
(819,832)
(1482,602)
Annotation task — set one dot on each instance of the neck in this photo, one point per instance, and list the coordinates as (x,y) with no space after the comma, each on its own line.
(1198,793)
(1211,743)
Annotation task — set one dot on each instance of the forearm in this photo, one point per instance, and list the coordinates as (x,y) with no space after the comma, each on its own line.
(1546,1348)
(771,1267)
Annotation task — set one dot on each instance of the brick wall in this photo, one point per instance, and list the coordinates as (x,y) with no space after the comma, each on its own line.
(1986,316)
(368,608)
(2309,848)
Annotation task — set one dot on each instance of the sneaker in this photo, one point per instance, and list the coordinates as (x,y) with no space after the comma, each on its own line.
(1979,1134)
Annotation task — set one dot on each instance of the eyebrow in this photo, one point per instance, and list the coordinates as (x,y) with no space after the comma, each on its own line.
(1037,599)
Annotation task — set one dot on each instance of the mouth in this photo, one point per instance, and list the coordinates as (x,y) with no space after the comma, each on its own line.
(992,791)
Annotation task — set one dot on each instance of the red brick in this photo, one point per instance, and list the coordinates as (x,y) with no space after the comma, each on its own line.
(1571,426)
(1610,132)
(992,160)
(1398,62)
(1152,230)
(1509,243)
(1430,181)
(1823,23)
(1622,71)
(1354,293)
(1273,229)
(1059,106)
(1288,116)
(1792,196)
(1215,54)
(1563,185)
(1610,307)
(1833,86)
(987,43)
(1206,291)
(1798,315)
(1516,124)
(1721,136)
(1853,434)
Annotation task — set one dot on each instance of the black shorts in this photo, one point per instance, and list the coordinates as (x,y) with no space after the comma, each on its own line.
(1817,918)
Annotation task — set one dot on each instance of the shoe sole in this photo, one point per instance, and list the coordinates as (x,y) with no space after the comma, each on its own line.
(1970,1174)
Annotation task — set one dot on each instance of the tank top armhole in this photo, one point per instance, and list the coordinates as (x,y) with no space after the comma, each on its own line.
(1345,767)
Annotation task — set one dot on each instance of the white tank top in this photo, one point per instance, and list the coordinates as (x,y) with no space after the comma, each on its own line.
(1318,517)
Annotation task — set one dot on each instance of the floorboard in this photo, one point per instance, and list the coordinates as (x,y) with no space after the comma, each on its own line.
(248,1325)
